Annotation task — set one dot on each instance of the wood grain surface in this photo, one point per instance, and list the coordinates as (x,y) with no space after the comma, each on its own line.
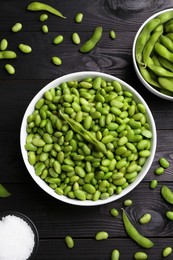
(55,219)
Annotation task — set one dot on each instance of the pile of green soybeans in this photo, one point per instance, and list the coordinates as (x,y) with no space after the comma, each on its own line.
(88,139)
(154,53)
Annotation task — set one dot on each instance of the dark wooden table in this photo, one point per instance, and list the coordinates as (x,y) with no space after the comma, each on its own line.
(55,219)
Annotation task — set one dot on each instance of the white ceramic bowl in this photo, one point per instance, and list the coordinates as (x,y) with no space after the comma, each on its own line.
(79,76)
(144,82)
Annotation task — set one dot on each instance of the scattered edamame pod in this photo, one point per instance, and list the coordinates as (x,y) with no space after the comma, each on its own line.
(10,69)
(134,234)
(39,6)
(90,44)
(16,27)
(25,48)
(4,192)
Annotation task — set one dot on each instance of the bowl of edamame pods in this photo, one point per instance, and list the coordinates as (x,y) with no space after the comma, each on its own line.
(153,54)
(88,138)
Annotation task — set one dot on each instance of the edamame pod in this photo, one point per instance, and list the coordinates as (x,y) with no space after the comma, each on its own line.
(94,39)
(38,6)
(134,234)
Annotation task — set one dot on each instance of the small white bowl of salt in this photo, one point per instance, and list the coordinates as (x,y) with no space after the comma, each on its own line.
(19,237)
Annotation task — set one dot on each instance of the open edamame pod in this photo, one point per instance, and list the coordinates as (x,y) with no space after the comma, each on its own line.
(38,6)
(134,234)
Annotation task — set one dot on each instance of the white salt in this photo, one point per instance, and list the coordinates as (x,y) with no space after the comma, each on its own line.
(16,238)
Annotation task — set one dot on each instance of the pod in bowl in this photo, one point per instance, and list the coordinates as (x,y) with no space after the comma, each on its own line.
(153,54)
(88,138)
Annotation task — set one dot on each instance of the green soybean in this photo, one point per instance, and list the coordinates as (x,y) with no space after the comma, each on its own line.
(101,235)
(140,256)
(3,44)
(25,48)
(167,194)
(169,215)
(10,69)
(159,170)
(16,27)
(128,202)
(56,60)
(90,44)
(164,162)
(45,28)
(69,241)
(38,6)
(115,255)
(153,184)
(58,39)
(167,251)
(76,38)
(112,34)
(134,234)
(79,17)
(146,218)
(8,55)
(43,17)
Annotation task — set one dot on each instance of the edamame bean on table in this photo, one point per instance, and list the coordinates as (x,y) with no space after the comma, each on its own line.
(72,147)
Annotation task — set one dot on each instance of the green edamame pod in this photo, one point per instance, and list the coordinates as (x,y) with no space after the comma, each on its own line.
(163,51)
(159,70)
(4,192)
(149,46)
(143,38)
(166,83)
(165,17)
(147,76)
(167,42)
(38,6)
(94,39)
(134,234)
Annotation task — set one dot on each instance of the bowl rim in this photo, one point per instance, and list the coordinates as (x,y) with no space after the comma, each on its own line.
(30,223)
(143,81)
(79,76)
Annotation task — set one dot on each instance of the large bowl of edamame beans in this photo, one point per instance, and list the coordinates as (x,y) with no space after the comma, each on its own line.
(153,54)
(88,138)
